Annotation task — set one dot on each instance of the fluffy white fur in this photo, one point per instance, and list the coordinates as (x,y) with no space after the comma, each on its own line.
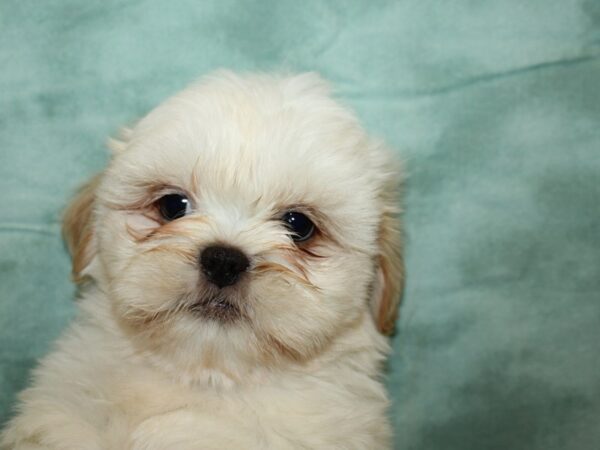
(138,369)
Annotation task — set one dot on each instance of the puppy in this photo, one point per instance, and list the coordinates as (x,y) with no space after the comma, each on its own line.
(239,264)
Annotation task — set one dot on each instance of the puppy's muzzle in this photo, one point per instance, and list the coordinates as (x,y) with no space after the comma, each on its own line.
(223,266)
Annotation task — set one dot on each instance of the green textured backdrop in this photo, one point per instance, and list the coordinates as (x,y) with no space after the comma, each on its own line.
(494,105)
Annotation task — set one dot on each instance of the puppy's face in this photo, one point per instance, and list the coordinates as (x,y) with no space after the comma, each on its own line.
(249,217)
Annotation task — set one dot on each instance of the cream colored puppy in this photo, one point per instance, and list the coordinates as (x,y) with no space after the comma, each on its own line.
(239,267)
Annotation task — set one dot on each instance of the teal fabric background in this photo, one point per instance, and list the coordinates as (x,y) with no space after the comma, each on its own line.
(495,107)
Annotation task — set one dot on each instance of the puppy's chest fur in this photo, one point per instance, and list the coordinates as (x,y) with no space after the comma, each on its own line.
(114,399)
(290,414)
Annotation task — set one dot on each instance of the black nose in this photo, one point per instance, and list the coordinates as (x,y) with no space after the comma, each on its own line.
(223,265)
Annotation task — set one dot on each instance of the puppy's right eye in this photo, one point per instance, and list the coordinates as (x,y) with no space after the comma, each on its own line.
(173,206)
(301,227)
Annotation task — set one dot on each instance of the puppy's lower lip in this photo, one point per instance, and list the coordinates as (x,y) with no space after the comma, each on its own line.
(222,304)
(215,308)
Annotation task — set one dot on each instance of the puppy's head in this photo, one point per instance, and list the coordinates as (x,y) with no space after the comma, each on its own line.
(247,216)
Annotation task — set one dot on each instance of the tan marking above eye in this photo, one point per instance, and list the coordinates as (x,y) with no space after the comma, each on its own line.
(147,195)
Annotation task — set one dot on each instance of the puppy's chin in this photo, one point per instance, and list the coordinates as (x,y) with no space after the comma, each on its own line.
(224,307)
(219,309)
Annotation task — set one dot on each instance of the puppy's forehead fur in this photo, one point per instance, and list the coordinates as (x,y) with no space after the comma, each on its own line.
(264,141)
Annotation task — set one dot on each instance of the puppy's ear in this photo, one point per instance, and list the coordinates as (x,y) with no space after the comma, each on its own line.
(78,229)
(389,281)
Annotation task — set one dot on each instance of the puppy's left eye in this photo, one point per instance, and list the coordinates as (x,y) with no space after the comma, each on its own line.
(301,226)
(173,206)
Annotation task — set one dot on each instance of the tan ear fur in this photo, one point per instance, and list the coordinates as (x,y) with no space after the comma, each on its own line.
(390,269)
(78,230)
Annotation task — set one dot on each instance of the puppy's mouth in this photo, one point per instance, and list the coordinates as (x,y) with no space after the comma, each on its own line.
(219,308)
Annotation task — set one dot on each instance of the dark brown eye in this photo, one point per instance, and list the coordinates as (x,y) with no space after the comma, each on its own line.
(300,225)
(173,206)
